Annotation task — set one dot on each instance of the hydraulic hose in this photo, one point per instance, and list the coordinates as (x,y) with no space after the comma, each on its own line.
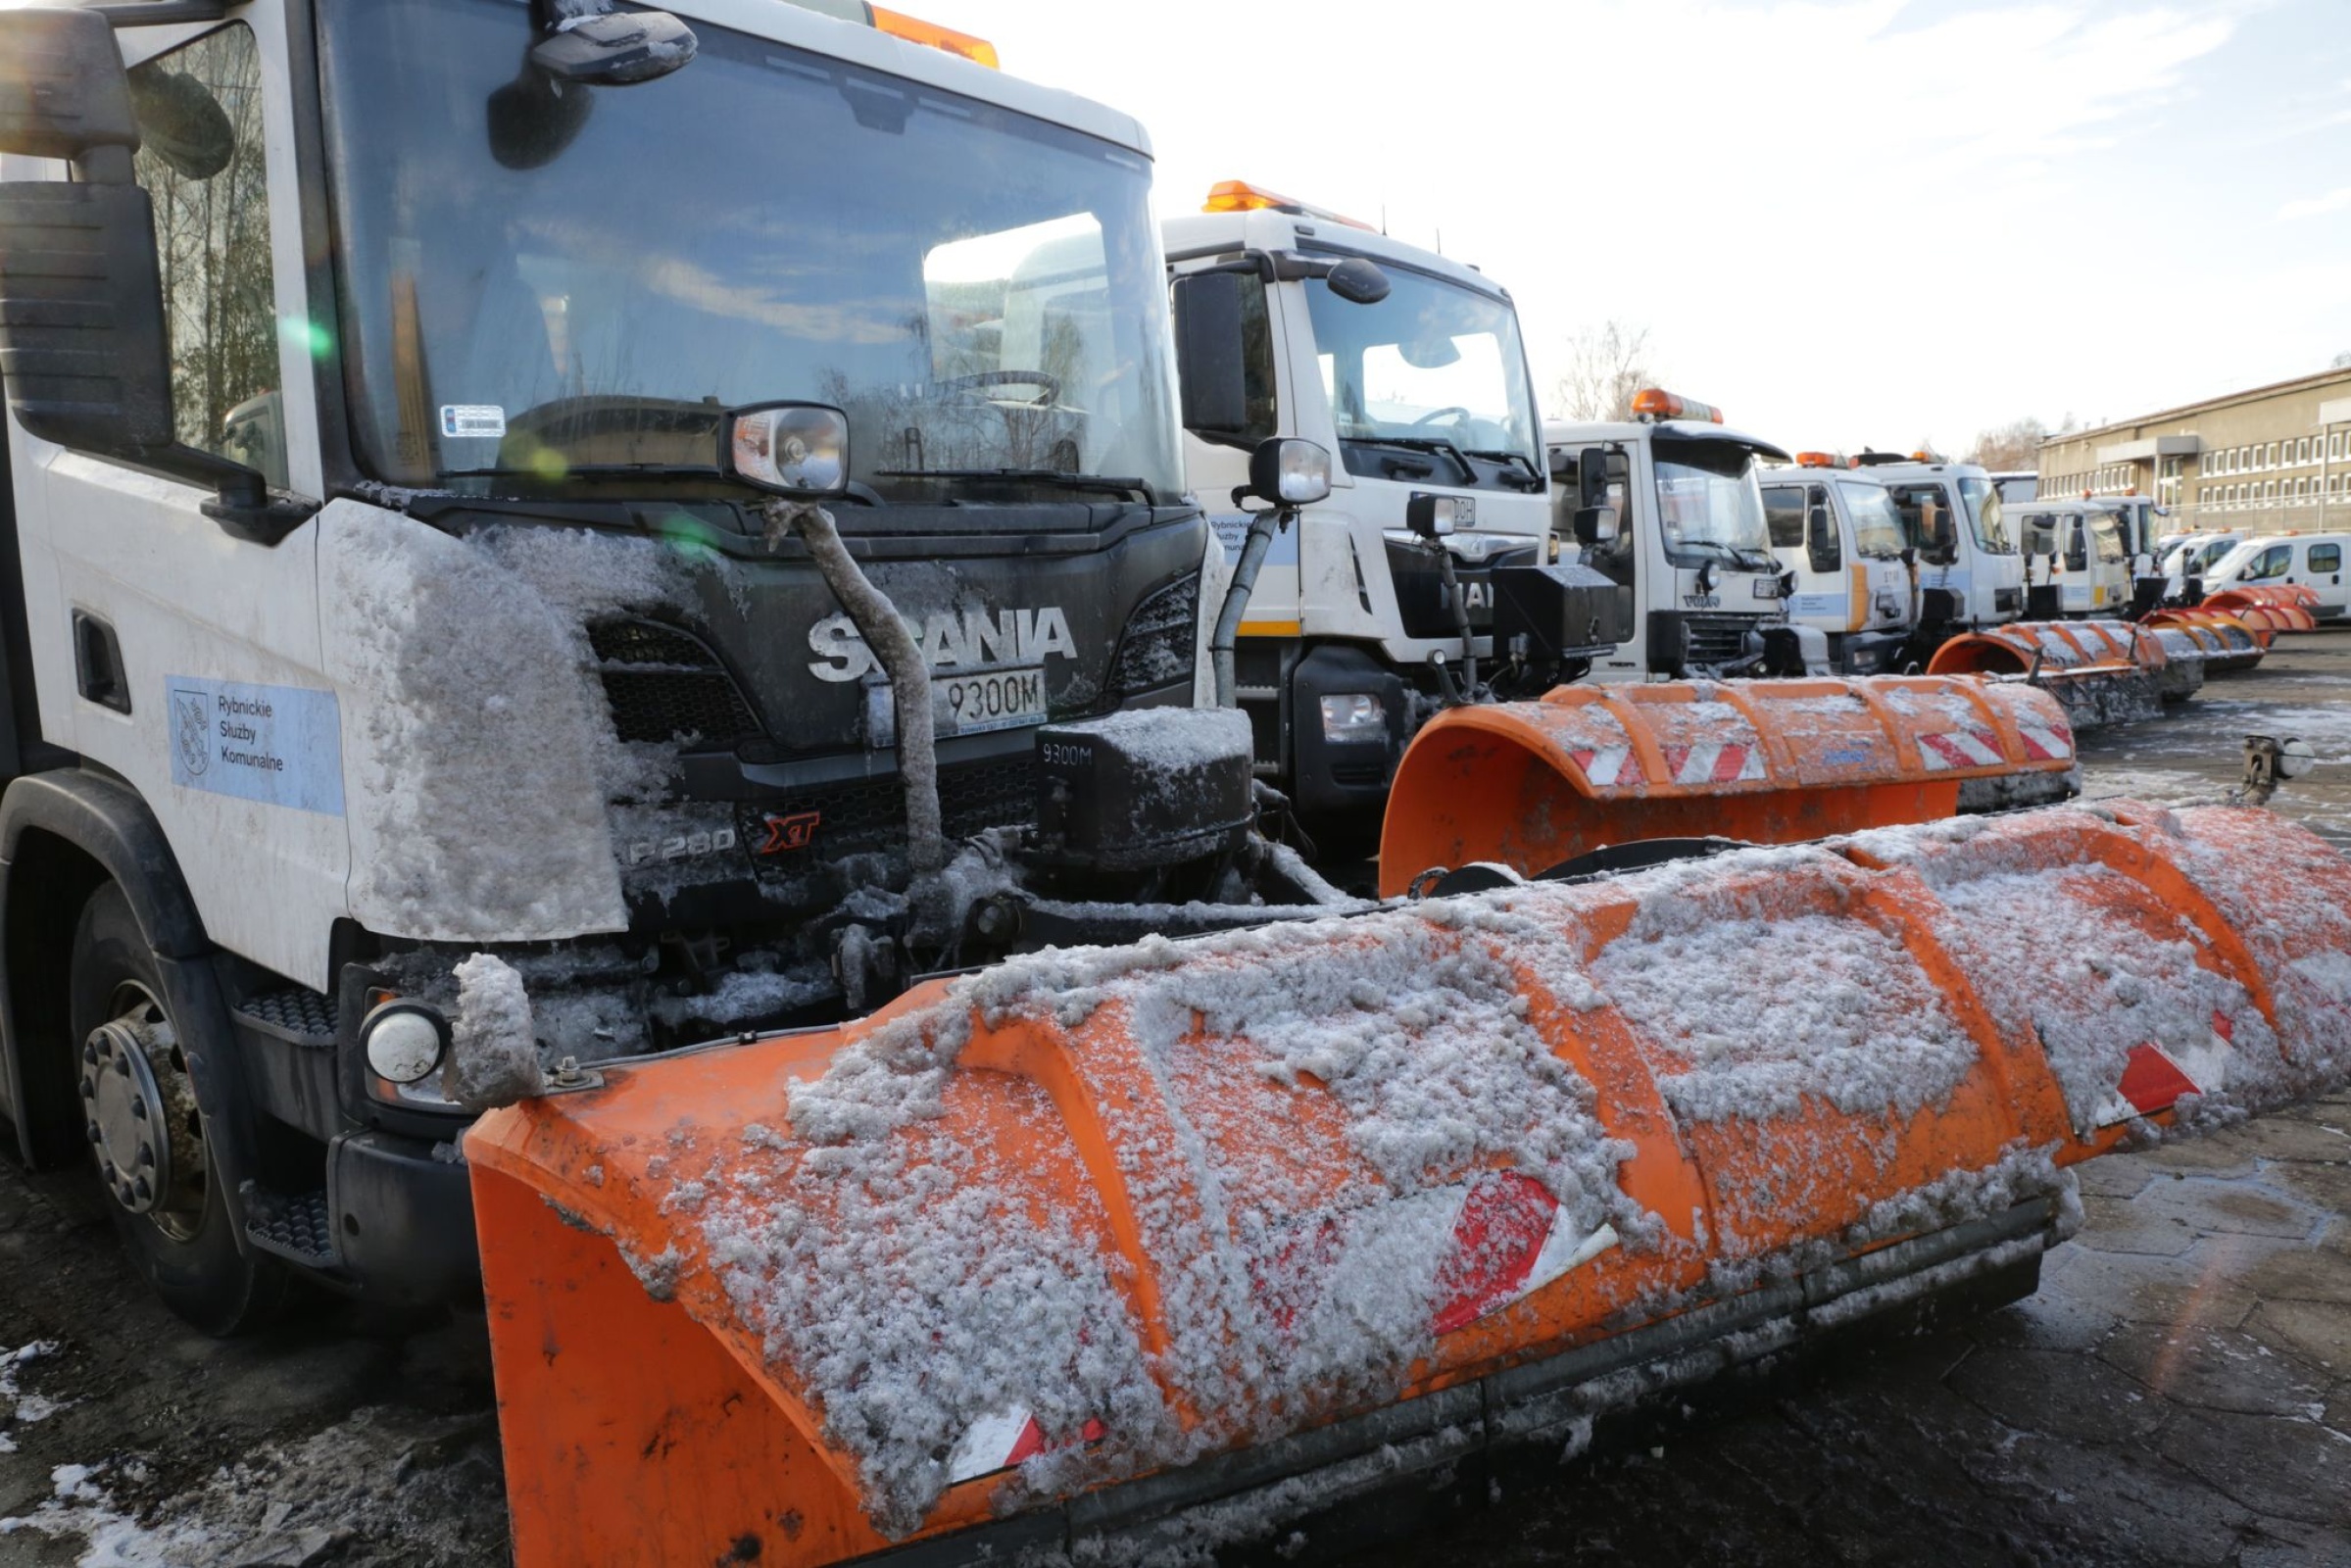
(878,622)
(1236,598)
(1469,646)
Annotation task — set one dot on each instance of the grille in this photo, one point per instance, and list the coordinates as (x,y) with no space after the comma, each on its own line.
(1157,649)
(297,1009)
(661,683)
(870,815)
(1717,639)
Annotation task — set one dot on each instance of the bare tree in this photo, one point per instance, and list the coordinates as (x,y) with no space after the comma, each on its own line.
(2014,445)
(2342,361)
(1606,365)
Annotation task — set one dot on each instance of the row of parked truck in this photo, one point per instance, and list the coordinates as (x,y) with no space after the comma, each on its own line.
(667,664)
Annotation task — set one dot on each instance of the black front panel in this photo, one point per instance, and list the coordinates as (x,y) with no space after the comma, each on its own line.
(1422,602)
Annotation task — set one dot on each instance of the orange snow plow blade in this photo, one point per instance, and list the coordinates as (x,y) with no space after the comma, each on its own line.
(2228,642)
(2289,607)
(2104,671)
(1533,785)
(1164,1246)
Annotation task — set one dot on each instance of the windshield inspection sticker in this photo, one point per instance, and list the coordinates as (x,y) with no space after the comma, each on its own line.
(472,421)
(278,744)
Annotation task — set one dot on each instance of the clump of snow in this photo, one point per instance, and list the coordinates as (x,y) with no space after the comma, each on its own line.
(1172,739)
(16,1406)
(493,1047)
(478,748)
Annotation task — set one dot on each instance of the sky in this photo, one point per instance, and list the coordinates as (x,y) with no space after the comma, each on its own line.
(1846,222)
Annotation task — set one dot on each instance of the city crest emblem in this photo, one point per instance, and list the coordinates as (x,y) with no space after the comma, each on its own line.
(191,730)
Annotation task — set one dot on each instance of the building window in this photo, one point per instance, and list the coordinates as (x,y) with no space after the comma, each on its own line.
(2273,454)
(2302,450)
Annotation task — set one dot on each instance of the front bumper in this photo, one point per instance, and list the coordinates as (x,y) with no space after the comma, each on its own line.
(403,1219)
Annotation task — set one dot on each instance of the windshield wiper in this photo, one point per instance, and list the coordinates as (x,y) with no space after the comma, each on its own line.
(1423,443)
(1534,480)
(1055,477)
(862,494)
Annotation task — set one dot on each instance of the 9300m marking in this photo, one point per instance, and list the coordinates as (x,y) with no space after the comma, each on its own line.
(995,700)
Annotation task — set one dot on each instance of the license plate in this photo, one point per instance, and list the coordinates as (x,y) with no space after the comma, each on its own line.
(995,699)
(1767,588)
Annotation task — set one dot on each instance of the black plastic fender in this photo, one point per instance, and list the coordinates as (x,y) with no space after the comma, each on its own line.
(109,822)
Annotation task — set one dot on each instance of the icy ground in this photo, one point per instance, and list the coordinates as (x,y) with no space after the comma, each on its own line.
(2179,1391)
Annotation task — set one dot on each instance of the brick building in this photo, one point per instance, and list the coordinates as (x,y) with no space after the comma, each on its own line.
(2271,457)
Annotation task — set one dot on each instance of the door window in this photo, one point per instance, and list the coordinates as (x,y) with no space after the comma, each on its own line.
(1783,515)
(1819,530)
(2272,564)
(200,160)
(2326,557)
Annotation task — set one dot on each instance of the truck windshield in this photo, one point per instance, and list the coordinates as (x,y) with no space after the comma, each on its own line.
(1433,361)
(544,289)
(1982,498)
(1708,501)
(1877,525)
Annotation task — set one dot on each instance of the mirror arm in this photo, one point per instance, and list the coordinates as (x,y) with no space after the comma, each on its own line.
(243,504)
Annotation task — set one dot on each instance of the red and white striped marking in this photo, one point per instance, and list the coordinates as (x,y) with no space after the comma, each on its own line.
(1714,763)
(1607,766)
(2154,1079)
(1000,1442)
(2045,745)
(1507,1241)
(1960,748)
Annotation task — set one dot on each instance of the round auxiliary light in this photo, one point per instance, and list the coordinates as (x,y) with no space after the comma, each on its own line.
(2295,758)
(403,1040)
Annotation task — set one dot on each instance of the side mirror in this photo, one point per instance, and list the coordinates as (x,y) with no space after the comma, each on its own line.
(796,450)
(1591,468)
(1434,516)
(86,354)
(1289,471)
(1358,281)
(1595,525)
(1210,349)
(611,48)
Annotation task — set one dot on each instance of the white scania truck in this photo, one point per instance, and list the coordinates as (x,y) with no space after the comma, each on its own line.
(456,500)
(1380,604)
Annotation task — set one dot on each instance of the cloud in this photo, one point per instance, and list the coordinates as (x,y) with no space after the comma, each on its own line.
(2312,206)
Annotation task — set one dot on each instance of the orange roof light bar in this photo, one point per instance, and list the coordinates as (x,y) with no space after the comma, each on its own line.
(1239,196)
(1822,459)
(914,30)
(1655,402)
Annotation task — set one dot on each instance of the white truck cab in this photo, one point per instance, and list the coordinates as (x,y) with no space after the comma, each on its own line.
(2076,557)
(1837,531)
(1357,627)
(1970,573)
(2274,561)
(1668,506)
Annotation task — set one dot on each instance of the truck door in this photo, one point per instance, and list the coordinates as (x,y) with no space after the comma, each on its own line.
(200,678)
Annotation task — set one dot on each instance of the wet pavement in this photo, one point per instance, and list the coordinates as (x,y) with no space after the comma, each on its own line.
(2179,1390)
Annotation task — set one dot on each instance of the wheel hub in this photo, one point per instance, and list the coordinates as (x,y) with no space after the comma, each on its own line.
(141,1122)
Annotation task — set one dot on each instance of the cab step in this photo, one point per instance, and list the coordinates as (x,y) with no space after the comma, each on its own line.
(295,1225)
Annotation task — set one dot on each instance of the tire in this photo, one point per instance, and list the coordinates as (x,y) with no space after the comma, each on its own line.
(185,1248)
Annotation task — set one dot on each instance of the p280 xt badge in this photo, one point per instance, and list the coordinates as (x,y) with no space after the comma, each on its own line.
(796,831)
(677,846)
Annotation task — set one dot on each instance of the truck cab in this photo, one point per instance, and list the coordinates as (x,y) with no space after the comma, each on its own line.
(1970,573)
(1836,530)
(2076,559)
(1354,631)
(1668,506)
(420,625)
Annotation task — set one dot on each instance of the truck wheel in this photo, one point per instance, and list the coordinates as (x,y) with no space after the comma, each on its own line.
(147,1132)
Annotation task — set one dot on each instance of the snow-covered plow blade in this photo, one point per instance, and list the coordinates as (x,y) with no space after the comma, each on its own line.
(1538,785)
(1170,1243)
(2228,644)
(2104,671)
(2288,606)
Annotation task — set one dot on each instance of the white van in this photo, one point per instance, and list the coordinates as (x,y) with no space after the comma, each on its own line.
(1841,535)
(2272,561)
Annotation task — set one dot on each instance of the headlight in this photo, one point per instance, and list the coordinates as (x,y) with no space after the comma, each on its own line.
(1355,716)
(404,1040)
